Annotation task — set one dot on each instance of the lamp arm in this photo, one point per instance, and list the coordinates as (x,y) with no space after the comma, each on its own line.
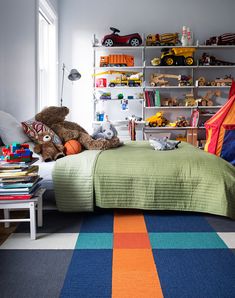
(62,85)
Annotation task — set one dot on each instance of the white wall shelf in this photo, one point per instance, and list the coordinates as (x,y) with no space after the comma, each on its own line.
(143,56)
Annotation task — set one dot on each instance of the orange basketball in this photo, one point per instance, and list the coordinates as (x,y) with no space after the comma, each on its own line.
(72,147)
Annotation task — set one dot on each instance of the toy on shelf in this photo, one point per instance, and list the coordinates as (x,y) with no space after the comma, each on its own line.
(207,99)
(16,153)
(127,80)
(186,37)
(224,39)
(117,60)
(101,83)
(189,36)
(115,39)
(105,95)
(175,56)
(159,80)
(169,102)
(226,81)
(181,122)
(190,101)
(207,60)
(165,39)
(157,120)
(120,96)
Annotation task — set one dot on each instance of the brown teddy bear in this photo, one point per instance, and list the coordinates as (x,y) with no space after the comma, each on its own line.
(54,117)
(45,146)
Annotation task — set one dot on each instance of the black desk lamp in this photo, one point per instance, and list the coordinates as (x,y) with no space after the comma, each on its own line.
(74,75)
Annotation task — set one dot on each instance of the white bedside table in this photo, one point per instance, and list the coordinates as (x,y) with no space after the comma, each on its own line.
(30,204)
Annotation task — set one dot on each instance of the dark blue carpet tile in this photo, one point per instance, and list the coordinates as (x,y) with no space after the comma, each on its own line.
(56,222)
(175,222)
(33,273)
(98,222)
(221,224)
(89,275)
(196,273)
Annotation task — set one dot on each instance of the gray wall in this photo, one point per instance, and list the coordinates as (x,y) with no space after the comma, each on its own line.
(18,50)
(18,57)
(79,20)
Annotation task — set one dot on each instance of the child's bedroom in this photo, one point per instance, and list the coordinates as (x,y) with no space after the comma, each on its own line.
(117,149)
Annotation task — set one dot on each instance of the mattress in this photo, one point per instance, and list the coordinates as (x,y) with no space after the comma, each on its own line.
(45,170)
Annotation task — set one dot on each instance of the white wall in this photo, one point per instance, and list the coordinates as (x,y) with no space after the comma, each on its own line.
(79,20)
(18,21)
(18,51)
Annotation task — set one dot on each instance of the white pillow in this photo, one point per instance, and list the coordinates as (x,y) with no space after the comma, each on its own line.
(11,130)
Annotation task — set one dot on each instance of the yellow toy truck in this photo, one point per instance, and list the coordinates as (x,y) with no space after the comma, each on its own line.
(175,56)
(129,81)
(165,39)
(157,120)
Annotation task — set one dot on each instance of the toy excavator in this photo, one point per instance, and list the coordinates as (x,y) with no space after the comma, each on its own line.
(159,80)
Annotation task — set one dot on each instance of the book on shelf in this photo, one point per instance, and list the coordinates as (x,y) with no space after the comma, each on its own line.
(21,184)
(22,179)
(31,171)
(152,99)
(19,191)
(16,197)
(18,180)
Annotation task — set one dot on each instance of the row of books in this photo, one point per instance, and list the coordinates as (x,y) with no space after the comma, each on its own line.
(152,99)
(18,180)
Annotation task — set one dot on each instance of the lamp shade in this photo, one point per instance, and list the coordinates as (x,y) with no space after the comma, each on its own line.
(74,75)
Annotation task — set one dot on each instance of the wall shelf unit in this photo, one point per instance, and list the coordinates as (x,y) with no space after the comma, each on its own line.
(137,106)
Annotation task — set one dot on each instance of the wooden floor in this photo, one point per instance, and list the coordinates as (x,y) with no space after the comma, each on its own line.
(6,232)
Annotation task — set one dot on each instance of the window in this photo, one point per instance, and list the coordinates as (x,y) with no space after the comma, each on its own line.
(47,58)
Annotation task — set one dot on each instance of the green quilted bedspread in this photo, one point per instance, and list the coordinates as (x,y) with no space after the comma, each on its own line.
(188,179)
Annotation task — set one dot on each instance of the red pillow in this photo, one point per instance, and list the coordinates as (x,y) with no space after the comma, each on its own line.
(32,128)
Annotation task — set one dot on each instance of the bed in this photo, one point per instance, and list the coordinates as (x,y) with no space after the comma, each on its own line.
(137,176)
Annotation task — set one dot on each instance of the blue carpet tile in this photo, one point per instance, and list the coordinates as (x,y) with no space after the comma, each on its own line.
(89,275)
(197,273)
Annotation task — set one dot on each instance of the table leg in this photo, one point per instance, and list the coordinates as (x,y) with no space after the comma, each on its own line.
(32,220)
(6,216)
(39,211)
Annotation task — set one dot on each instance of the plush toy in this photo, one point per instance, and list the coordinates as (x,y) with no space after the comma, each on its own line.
(105,131)
(54,117)
(49,150)
(164,144)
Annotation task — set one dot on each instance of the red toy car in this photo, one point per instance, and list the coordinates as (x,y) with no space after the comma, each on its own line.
(114,39)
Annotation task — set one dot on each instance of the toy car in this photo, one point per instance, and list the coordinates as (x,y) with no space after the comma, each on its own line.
(175,56)
(113,39)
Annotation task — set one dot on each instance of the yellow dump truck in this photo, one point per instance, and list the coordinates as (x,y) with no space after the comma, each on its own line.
(175,56)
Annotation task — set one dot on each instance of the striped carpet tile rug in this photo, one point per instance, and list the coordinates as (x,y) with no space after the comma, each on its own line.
(121,254)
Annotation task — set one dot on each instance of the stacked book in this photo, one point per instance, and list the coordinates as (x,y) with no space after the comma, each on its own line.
(18,180)
(152,99)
